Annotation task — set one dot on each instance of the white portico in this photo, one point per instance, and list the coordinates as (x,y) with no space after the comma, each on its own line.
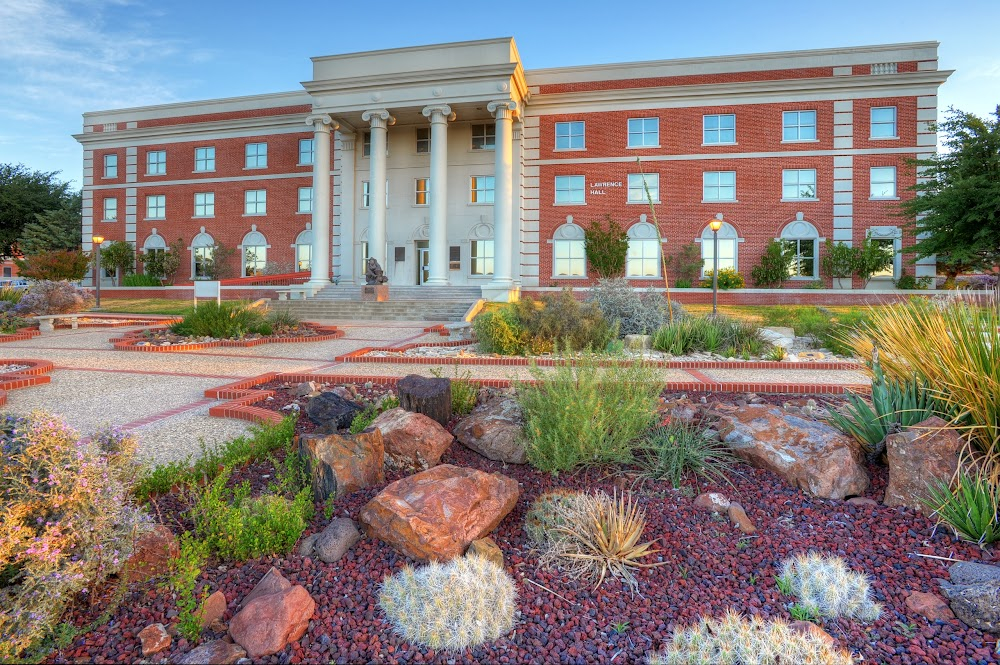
(423,143)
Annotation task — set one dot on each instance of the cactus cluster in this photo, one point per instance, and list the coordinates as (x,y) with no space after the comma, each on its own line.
(738,640)
(463,603)
(827,588)
(546,514)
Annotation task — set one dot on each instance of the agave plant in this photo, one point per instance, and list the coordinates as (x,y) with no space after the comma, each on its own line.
(971,509)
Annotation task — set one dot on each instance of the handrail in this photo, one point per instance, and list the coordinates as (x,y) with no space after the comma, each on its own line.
(283,279)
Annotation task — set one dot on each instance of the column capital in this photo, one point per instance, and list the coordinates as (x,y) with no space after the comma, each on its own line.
(321,122)
(438,113)
(378,118)
(503,109)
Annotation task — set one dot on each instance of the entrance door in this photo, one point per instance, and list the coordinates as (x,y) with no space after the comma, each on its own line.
(423,258)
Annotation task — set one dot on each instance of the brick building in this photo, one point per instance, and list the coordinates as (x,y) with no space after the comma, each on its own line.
(454,166)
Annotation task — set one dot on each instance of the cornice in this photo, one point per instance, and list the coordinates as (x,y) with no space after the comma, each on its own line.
(194,108)
(412,49)
(409,79)
(195,130)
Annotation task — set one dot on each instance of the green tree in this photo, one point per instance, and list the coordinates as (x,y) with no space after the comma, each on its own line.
(118,256)
(54,229)
(959,203)
(55,266)
(606,248)
(775,265)
(24,194)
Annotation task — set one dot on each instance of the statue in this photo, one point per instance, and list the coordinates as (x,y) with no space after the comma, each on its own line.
(374,274)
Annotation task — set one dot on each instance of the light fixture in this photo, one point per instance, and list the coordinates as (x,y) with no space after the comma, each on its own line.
(97,269)
(715,224)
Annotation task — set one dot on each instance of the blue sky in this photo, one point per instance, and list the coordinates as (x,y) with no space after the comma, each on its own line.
(59,58)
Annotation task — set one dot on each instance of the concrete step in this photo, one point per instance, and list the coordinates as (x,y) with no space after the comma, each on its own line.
(375,311)
(352,293)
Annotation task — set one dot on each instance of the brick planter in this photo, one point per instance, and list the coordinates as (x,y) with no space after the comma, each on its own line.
(23,378)
(131,341)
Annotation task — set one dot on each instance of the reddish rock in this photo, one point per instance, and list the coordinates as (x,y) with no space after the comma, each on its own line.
(862,501)
(712,502)
(272,582)
(739,518)
(809,628)
(213,609)
(217,652)
(340,465)
(154,639)
(412,440)
(494,430)
(436,514)
(925,454)
(682,410)
(808,454)
(486,548)
(268,623)
(930,606)
(152,554)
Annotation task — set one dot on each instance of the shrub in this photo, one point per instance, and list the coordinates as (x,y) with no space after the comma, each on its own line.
(47,297)
(283,321)
(145,279)
(675,450)
(774,266)
(54,266)
(684,284)
(911,283)
(184,573)
(67,522)
(728,279)
(736,640)
(606,248)
(546,514)
(873,257)
(463,603)
(10,323)
(839,261)
(971,509)
(562,320)
(362,419)
(685,265)
(635,314)
(9,294)
(464,393)
(827,588)
(711,334)
(586,413)
(500,331)
(227,320)
(118,256)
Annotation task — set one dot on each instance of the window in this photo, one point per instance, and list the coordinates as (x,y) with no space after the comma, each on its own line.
(420,191)
(569,255)
(798,126)
(303,249)
(728,244)
(203,255)
(110,166)
(156,162)
(305,199)
(883,122)
(643,258)
(804,253)
(454,258)
(484,137)
(256,156)
(8,271)
(637,185)
(204,204)
(363,255)
(798,184)
(887,245)
(255,202)
(110,210)
(643,132)
(883,182)
(719,129)
(366,144)
(366,195)
(482,257)
(204,159)
(570,135)
(423,140)
(482,189)
(156,206)
(306,152)
(570,189)
(254,253)
(719,185)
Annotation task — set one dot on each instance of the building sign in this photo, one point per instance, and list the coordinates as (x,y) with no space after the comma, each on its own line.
(599,187)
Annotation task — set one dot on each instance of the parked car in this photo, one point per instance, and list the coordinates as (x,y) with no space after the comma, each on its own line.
(14,283)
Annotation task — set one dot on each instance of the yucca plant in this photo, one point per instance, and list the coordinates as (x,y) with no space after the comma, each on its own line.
(971,509)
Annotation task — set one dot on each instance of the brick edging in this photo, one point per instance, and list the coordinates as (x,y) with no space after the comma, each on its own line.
(34,375)
(130,341)
(136,321)
(26,333)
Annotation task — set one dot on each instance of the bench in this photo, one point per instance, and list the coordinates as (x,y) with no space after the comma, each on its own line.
(459,330)
(46,322)
(293,293)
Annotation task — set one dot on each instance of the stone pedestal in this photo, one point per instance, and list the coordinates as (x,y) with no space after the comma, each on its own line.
(375,293)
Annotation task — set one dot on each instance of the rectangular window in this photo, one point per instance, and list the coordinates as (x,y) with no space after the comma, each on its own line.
(804,251)
(420,187)
(798,184)
(255,202)
(110,166)
(454,258)
(366,144)
(364,257)
(570,189)
(643,132)
(484,137)
(727,254)
(156,206)
(883,122)
(156,162)
(423,140)
(256,156)
(204,159)
(643,258)
(366,194)
(110,210)
(204,204)
(570,135)
(482,189)
(569,258)
(883,182)
(719,185)
(203,257)
(798,126)
(254,260)
(303,257)
(637,185)
(482,257)
(718,129)
(305,199)
(306,152)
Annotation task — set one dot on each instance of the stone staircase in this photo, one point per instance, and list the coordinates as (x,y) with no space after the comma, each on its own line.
(406,303)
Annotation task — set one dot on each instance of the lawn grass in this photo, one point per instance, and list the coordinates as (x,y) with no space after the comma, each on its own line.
(145,306)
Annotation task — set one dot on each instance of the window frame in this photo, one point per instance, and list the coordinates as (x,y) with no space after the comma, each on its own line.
(643,132)
(642,258)
(794,272)
(718,187)
(113,217)
(309,200)
(257,259)
(872,182)
(569,181)
(366,194)
(473,189)
(424,194)
(798,126)
(717,130)
(257,155)
(257,203)
(798,185)
(207,203)
(489,258)
(108,167)
(422,140)
(570,135)
(156,162)
(643,200)
(488,130)
(311,152)
(207,159)
(161,199)
(872,124)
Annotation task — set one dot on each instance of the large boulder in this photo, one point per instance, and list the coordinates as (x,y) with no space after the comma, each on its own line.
(216,652)
(412,440)
(494,430)
(269,622)
(925,455)
(436,514)
(332,411)
(339,465)
(807,453)
(967,572)
(334,541)
(977,605)
(152,554)
(272,582)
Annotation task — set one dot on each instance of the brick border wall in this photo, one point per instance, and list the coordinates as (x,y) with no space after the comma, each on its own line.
(34,375)
(26,333)
(130,341)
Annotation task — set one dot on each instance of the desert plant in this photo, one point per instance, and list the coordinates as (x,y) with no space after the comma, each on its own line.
(362,419)
(184,573)
(587,413)
(500,331)
(636,314)
(54,266)
(227,320)
(11,295)
(737,640)
(606,248)
(283,320)
(463,603)
(47,297)
(729,278)
(10,323)
(144,279)
(677,449)
(827,588)
(544,515)
(971,509)
(67,521)
(710,333)
(685,265)
(464,393)
(562,320)
(774,266)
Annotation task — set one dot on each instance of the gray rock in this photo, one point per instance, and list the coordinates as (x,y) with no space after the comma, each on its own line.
(494,431)
(305,548)
(638,342)
(964,573)
(217,652)
(331,410)
(976,605)
(334,541)
(305,389)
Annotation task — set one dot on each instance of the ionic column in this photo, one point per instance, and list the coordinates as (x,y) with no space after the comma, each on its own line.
(322,125)
(379,119)
(503,187)
(346,221)
(515,216)
(438,245)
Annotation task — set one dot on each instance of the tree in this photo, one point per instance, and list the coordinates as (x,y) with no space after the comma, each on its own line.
(775,265)
(872,257)
(958,206)
(606,248)
(118,256)
(24,194)
(54,266)
(54,229)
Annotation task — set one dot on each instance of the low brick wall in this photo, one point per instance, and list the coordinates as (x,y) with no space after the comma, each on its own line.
(821,297)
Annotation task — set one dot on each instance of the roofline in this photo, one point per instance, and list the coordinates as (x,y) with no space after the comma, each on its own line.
(421,47)
(294,97)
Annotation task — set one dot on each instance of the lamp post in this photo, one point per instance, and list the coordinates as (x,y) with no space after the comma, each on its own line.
(715,224)
(97,268)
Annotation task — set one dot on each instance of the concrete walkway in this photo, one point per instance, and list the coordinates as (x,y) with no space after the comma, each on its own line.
(160,396)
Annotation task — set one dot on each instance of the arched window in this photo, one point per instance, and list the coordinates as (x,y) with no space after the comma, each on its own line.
(569,256)
(154,249)
(802,239)
(254,248)
(303,249)
(202,255)
(643,250)
(728,248)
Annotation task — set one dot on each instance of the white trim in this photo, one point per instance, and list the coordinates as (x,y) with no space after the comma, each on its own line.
(735,155)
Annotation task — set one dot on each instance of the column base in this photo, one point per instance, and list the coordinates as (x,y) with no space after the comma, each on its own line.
(439,281)
(501,292)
